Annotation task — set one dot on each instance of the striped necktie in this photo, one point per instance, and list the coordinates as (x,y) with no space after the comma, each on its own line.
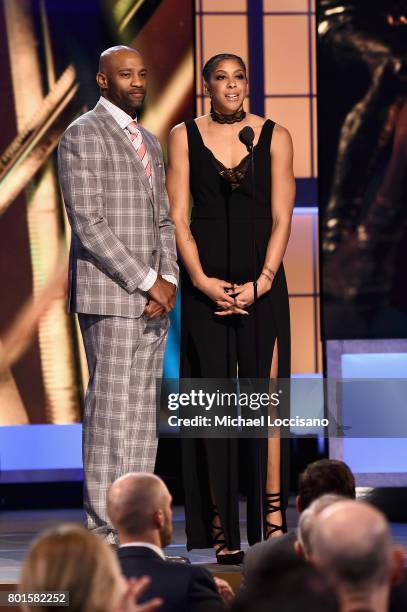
(141,150)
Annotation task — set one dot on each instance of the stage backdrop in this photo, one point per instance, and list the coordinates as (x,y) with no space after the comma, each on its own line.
(276,38)
(362,109)
(48,53)
(48,60)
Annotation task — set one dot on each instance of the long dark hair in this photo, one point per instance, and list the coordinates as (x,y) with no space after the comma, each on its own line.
(213,61)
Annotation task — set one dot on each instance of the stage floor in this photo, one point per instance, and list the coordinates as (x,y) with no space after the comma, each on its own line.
(17,530)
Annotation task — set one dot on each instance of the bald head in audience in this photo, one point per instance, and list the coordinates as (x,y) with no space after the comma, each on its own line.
(308,520)
(139,506)
(351,541)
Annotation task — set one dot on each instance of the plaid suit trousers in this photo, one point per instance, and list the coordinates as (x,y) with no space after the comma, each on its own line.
(125,357)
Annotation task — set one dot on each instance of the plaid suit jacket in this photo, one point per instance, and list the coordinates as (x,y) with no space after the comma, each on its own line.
(120,227)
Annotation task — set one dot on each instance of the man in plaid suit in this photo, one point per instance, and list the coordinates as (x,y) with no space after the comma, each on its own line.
(122,275)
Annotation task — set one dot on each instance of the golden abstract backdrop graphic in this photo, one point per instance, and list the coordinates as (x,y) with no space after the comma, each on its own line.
(48,60)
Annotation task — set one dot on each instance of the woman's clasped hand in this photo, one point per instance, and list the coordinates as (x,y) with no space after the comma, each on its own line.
(232,298)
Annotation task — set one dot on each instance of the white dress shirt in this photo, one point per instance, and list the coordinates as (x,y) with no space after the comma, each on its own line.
(153,547)
(123,119)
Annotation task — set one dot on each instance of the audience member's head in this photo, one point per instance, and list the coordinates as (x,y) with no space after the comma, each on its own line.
(297,587)
(71,558)
(352,543)
(139,506)
(307,521)
(322,477)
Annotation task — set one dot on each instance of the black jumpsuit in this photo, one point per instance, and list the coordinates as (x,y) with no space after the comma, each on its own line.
(213,347)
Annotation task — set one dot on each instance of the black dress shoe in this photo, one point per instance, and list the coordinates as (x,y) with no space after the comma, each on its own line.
(235,558)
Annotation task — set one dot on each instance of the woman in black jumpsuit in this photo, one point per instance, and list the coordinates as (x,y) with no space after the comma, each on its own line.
(217,331)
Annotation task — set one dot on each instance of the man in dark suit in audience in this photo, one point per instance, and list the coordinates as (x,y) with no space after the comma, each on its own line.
(319,478)
(288,586)
(139,507)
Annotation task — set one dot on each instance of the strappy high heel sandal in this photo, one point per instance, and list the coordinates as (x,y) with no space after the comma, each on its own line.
(219,544)
(273,504)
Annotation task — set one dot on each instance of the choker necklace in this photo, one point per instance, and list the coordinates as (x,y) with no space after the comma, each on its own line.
(236,117)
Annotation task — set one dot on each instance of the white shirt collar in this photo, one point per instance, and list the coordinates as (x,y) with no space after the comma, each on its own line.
(153,547)
(122,118)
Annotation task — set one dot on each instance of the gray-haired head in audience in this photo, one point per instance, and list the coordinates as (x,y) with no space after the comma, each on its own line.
(307,521)
(352,542)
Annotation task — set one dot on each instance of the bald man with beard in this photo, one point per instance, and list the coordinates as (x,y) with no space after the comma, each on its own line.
(351,541)
(139,506)
(122,275)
